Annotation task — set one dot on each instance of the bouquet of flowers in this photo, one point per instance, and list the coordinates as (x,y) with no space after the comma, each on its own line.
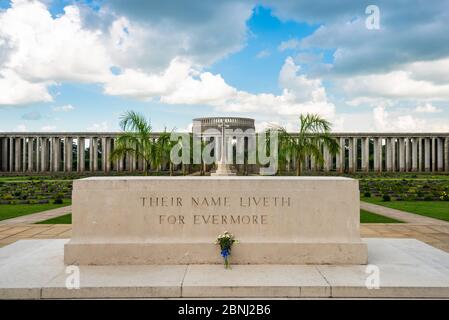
(226,240)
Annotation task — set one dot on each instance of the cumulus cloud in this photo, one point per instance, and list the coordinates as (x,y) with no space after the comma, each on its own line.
(427,108)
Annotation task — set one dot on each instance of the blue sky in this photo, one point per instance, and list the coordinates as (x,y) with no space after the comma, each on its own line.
(77,65)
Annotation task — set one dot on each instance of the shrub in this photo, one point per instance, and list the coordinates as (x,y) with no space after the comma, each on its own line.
(57,201)
(367,194)
(444,196)
(386,197)
(8,197)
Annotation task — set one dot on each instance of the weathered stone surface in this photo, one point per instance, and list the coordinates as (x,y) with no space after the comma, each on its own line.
(160,220)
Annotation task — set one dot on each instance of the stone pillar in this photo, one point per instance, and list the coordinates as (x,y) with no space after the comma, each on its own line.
(91,154)
(11,154)
(38,152)
(434,155)
(5,154)
(415,155)
(366,148)
(95,151)
(420,155)
(401,155)
(407,154)
(446,154)
(17,155)
(377,155)
(354,154)
(56,147)
(30,155)
(43,156)
(351,155)
(388,153)
(326,159)
(24,154)
(341,155)
(440,164)
(80,159)
(68,144)
(394,162)
(104,155)
(108,154)
(427,154)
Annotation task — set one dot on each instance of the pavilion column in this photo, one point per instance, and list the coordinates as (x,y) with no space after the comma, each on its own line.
(365,150)
(24,154)
(11,154)
(91,154)
(389,153)
(378,154)
(420,155)
(407,154)
(326,159)
(434,155)
(80,158)
(104,155)
(95,151)
(341,155)
(68,147)
(108,154)
(401,155)
(446,154)
(17,155)
(415,155)
(30,154)
(56,146)
(351,155)
(354,154)
(38,152)
(43,156)
(427,154)
(310,160)
(5,154)
(440,164)
(337,157)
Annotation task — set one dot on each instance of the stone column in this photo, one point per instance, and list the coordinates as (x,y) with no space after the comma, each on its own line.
(366,148)
(38,153)
(377,152)
(326,166)
(415,155)
(95,151)
(104,155)
(427,154)
(43,156)
(446,154)
(108,154)
(69,150)
(440,164)
(407,154)
(30,155)
(56,147)
(434,155)
(394,162)
(341,155)
(388,153)
(351,155)
(80,159)
(11,154)
(354,154)
(91,154)
(401,155)
(420,155)
(24,154)
(17,155)
(5,154)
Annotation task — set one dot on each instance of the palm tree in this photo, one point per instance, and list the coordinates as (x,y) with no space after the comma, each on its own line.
(135,139)
(161,151)
(314,133)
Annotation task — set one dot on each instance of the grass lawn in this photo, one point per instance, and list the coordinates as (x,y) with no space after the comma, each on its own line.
(433,209)
(65,219)
(369,217)
(8,211)
(365,217)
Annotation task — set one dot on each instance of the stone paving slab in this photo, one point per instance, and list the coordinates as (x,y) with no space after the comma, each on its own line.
(408,268)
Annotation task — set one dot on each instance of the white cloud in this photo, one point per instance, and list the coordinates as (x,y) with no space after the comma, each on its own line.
(48,128)
(263,54)
(64,108)
(21,128)
(289,44)
(427,108)
(98,127)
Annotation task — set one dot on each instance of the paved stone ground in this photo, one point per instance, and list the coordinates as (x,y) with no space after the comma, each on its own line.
(434,235)
(37,217)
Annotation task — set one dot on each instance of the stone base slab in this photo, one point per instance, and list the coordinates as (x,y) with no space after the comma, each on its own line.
(34,269)
(204,253)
